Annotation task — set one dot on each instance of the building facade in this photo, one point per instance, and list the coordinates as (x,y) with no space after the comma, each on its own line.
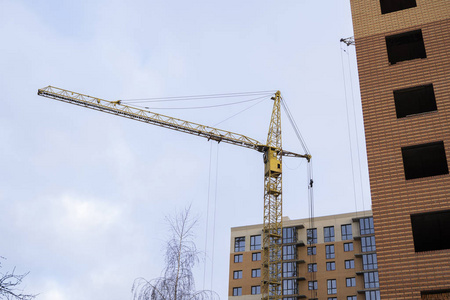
(333,257)
(403,53)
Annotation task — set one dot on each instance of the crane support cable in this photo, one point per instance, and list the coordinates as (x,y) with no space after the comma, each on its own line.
(142,115)
(200,97)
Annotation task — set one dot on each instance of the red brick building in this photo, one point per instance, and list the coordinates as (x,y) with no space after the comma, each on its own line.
(403,52)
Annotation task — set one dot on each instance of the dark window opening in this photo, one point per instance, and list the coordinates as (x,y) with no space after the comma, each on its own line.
(435,294)
(414,100)
(424,160)
(388,6)
(405,46)
(431,231)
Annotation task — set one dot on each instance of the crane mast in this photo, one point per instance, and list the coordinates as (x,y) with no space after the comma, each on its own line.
(273,153)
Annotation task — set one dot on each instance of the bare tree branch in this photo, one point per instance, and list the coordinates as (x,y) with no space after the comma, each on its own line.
(181,255)
(9,286)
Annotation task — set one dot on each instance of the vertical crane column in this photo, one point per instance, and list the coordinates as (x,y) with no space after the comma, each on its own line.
(273,226)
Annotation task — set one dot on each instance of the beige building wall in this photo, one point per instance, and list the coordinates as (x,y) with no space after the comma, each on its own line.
(340,274)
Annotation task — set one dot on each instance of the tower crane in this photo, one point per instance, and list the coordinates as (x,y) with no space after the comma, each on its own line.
(272,154)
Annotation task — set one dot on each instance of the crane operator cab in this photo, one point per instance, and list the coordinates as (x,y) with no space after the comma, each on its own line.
(271,162)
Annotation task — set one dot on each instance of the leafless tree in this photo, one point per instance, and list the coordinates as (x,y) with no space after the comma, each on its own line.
(177,282)
(9,286)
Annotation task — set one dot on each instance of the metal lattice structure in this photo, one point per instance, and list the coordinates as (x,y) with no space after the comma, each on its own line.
(272,236)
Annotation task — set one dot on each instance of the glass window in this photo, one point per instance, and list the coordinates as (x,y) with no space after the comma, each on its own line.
(256,272)
(312,250)
(331,266)
(373,295)
(255,242)
(312,236)
(289,269)
(312,267)
(237,274)
(237,291)
(289,235)
(348,247)
(346,232)
(331,286)
(256,290)
(329,251)
(332,298)
(290,287)
(238,258)
(350,264)
(256,256)
(366,226)
(370,261)
(368,244)
(289,252)
(312,285)
(351,298)
(350,281)
(328,234)
(371,280)
(239,244)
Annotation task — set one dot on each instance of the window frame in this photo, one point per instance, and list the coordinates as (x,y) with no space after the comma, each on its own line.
(347,247)
(328,234)
(256,273)
(311,250)
(331,266)
(345,236)
(329,251)
(351,280)
(331,287)
(256,290)
(349,263)
(312,267)
(239,244)
(237,291)
(254,242)
(311,236)
(258,256)
(237,274)
(240,258)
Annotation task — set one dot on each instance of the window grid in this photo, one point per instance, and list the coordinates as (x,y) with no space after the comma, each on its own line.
(371,280)
(368,244)
(289,235)
(348,247)
(311,236)
(289,252)
(329,251)
(370,261)
(350,264)
(328,234)
(346,232)
(289,269)
(312,268)
(290,287)
(366,226)
(351,298)
(256,256)
(256,290)
(255,242)
(256,273)
(331,266)
(312,250)
(237,274)
(238,258)
(349,282)
(373,295)
(331,286)
(237,291)
(239,244)
(312,285)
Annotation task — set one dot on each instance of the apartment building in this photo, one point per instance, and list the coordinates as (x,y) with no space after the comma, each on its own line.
(331,257)
(403,53)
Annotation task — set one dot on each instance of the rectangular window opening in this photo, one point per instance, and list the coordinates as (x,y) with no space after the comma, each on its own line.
(405,46)
(388,6)
(424,160)
(431,231)
(414,100)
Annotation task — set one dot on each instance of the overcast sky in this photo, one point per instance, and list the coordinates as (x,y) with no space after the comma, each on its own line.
(83,194)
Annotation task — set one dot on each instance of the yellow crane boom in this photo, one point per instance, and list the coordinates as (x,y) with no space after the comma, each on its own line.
(272,227)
